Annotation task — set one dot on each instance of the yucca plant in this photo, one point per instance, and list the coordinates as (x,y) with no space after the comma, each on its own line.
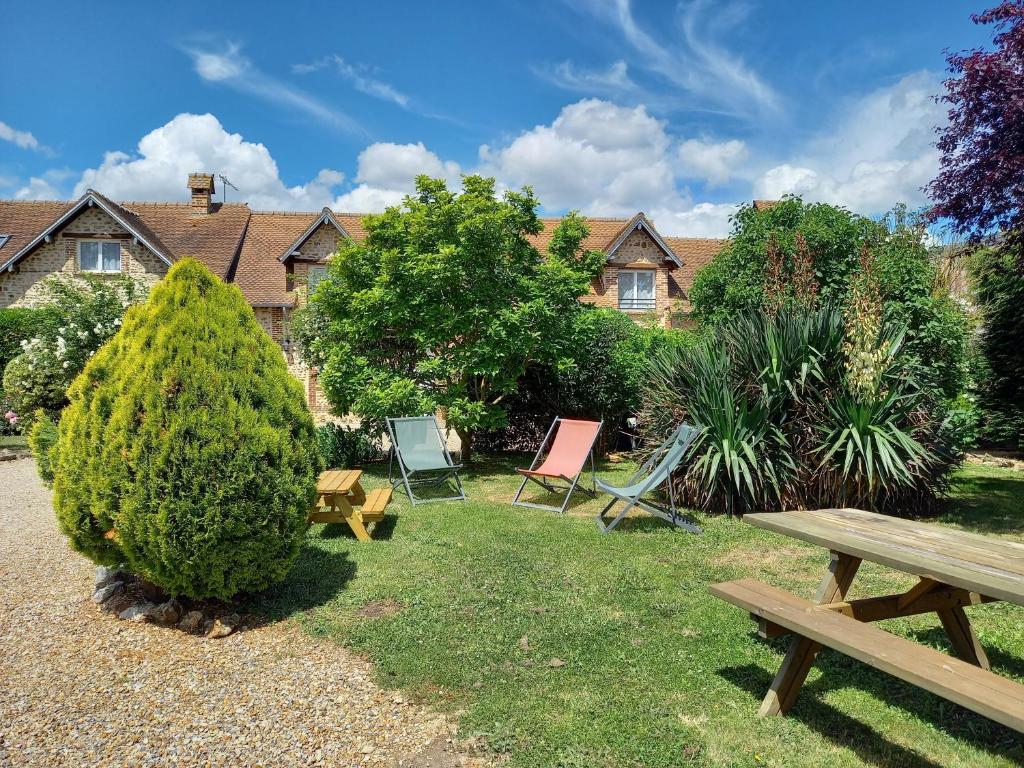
(787,421)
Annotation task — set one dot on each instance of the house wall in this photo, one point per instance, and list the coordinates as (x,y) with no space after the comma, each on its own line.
(25,286)
(638,251)
(320,246)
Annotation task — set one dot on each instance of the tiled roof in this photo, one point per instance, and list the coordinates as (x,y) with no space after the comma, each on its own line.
(213,238)
(260,274)
(217,238)
(694,252)
(23,220)
(171,228)
(602,233)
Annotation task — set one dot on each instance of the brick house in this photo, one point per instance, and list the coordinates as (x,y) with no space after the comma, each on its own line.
(274,257)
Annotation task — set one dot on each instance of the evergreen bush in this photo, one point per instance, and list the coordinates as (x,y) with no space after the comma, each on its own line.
(187,451)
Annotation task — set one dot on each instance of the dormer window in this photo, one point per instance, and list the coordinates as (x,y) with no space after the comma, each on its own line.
(99,255)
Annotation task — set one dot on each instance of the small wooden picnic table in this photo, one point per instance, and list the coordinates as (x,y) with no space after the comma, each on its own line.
(955,570)
(339,496)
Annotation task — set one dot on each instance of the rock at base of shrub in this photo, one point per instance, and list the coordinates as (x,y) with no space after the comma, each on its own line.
(223,626)
(191,621)
(166,613)
(136,612)
(107,591)
(106,575)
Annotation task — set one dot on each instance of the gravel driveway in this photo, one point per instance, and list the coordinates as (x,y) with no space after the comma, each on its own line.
(80,688)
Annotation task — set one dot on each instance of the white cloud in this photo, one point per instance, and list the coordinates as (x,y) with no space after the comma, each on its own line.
(695,63)
(702,220)
(567,75)
(714,162)
(879,151)
(189,143)
(229,67)
(47,186)
(356,74)
(597,156)
(386,173)
(22,139)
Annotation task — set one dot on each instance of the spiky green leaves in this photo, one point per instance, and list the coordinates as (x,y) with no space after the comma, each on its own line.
(187,451)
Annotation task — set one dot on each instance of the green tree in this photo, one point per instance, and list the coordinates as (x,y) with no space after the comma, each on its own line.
(187,451)
(999,293)
(766,255)
(444,305)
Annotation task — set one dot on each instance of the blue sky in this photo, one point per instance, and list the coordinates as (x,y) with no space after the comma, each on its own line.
(680,109)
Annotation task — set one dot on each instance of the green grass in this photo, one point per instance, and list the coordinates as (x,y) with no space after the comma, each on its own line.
(657,672)
(13,441)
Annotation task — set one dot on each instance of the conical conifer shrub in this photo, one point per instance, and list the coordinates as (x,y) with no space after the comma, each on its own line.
(187,451)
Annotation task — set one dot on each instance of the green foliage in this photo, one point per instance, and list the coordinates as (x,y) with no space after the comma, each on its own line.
(444,305)
(343,447)
(744,276)
(600,378)
(42,437)
(19,324)
(187,451)
(786,425)
(999,294)
(82,313)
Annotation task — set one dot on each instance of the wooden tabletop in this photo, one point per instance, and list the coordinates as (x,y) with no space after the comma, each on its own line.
(987,565)
(338,480)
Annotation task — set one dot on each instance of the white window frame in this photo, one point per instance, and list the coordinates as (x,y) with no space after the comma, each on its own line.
(629,300)
(101,270)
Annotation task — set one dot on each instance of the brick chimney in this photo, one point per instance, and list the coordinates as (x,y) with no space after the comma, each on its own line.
(201,186)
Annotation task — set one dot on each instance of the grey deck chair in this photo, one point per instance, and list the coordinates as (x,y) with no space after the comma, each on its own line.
(421,453)
(655,471)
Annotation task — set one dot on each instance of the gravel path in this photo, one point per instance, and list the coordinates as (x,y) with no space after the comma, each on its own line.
(80,688)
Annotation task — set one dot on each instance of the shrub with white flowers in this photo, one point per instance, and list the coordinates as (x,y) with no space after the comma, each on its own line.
(86,313)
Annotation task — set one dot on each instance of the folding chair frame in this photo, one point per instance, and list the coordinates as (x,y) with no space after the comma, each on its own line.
(423,477)
(669,513)
(572,484)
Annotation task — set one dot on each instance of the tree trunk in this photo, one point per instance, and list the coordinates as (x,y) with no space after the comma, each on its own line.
(466,441)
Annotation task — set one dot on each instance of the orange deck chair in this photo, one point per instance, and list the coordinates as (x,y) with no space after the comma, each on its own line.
(565,461)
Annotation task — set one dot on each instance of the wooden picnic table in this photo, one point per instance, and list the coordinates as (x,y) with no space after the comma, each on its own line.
(341,499)
(955,570)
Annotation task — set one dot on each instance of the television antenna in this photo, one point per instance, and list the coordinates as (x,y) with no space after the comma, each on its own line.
(224,187)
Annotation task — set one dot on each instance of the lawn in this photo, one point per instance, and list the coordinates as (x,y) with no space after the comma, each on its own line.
(558,646)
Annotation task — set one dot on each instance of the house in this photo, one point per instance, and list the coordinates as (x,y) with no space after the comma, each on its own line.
(276,257)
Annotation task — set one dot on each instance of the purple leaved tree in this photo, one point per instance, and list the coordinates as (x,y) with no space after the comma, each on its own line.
(980,187)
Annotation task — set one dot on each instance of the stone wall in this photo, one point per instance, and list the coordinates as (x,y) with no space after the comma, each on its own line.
(24,287)
(638,251)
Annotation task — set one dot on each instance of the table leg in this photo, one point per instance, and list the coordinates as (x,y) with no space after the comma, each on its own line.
(802,652)
(355,522)
(356,495)
(961,634)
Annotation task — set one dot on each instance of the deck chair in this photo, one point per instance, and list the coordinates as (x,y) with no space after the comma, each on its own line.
(566,459)
(655,471)
(420,451)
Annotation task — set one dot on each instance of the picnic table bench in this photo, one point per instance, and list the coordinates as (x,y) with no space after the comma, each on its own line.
(340,498)
(955,570)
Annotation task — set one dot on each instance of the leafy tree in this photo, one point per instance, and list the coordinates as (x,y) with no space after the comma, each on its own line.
(187,451)
(765,265)
(444,305)
(999,293)
(980,187)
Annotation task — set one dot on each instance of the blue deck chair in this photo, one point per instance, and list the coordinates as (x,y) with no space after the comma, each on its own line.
(655,471)
(421,453)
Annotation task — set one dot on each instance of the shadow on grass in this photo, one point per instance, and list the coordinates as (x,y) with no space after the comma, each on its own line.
(316,578)
(871,745)
(987,503)
(936,636)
